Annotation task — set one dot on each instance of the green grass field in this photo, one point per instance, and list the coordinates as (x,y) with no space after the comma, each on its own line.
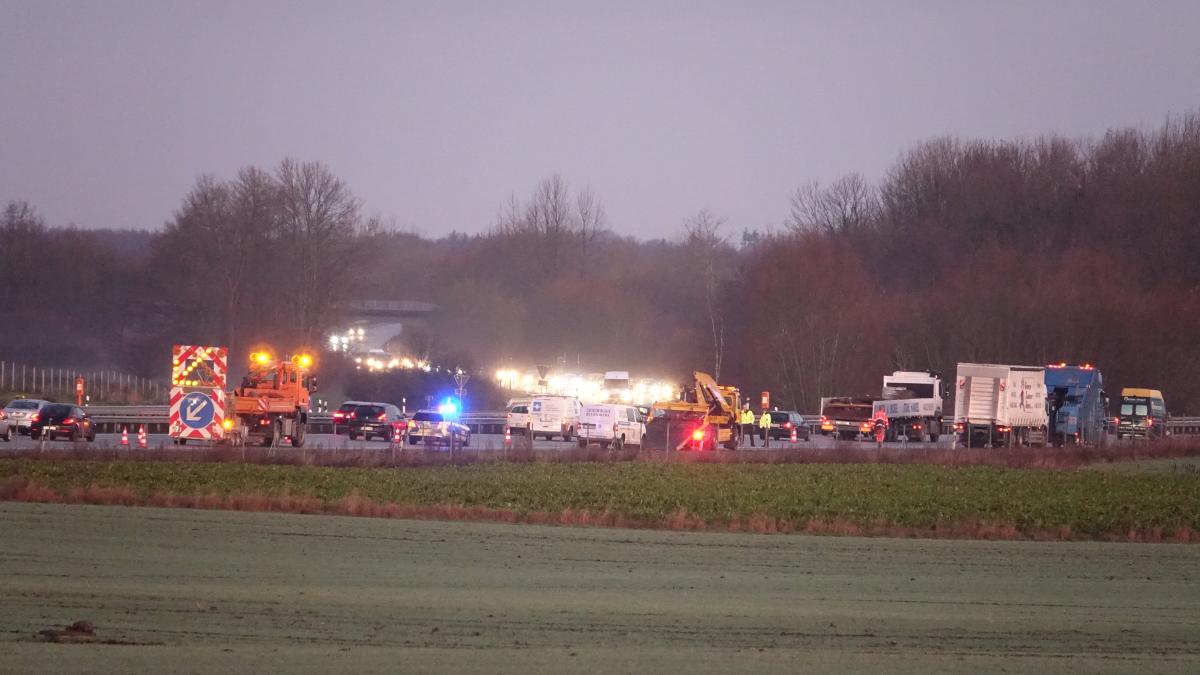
(1083,503)
(175,590)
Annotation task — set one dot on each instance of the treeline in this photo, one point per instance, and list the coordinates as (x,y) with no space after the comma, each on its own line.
(1030,251)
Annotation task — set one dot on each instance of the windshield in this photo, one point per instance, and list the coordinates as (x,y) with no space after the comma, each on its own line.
(347,407)
(428,417)
(57,410)
(1127,409)
(779,417)
(368,411)
(23,405)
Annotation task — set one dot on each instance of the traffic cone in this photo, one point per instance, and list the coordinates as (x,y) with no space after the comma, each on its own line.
(397,437)
(794,439)
(507,436)
(125,436)
(142,440)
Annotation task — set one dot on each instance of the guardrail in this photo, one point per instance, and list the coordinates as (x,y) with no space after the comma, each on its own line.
(1183,426)
(110,419)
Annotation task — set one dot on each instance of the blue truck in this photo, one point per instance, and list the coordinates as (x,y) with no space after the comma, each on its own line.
(1077,405)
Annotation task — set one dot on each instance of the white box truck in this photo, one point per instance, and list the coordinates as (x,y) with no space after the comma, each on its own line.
(998,405)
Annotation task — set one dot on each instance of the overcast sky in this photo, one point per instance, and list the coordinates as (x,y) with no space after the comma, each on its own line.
(435,112)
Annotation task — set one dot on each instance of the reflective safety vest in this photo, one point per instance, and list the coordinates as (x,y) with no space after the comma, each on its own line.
(747,417)
(765,420)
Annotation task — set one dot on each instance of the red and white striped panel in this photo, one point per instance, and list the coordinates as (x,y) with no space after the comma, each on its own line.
(199,366)
(215,430)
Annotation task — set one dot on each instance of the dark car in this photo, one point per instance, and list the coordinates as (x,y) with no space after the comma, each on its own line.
(430,426)
(782,423)
(343,415)
(59,420)
(375,420)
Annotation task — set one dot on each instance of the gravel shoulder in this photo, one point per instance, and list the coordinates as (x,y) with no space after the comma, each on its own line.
(173,590)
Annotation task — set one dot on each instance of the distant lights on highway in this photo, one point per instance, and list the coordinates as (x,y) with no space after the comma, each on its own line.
(587,388)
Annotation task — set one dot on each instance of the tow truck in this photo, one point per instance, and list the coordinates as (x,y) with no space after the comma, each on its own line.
(704,418)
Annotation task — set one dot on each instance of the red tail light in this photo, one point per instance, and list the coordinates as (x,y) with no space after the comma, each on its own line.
(787,425)
(917,427)
(382,417)
(958,426)
(69,420)
(338,415)
(824,419)
(1149,421)
(698,435)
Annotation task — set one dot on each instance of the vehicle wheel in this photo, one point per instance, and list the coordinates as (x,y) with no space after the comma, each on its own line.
(570,434)
(353,436)
(8,435)
(91,438)
(467,441)
(298,437)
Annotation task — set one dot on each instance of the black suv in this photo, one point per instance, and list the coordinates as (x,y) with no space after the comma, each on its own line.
(60,419)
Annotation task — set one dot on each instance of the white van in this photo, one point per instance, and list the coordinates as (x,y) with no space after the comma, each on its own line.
(613,424)
(552,416)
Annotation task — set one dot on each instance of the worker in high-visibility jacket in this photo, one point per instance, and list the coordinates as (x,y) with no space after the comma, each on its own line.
(746,421)
(764,425)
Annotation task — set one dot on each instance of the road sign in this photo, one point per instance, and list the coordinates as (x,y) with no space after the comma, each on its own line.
(197,413)
(196,410)
(199,366)
(766,400)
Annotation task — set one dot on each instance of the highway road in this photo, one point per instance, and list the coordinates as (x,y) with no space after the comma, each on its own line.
(485,442)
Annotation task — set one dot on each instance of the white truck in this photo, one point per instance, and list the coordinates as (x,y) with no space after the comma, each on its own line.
(912,402)
(1000,405)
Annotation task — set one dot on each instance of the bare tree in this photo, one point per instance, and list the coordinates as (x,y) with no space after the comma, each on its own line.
(706,246)
(591,220)
(319,221)
(849,205)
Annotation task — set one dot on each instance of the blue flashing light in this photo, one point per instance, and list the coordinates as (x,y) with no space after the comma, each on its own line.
(448,407)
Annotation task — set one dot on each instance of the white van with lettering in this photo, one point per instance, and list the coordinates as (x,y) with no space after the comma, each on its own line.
(610,424)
